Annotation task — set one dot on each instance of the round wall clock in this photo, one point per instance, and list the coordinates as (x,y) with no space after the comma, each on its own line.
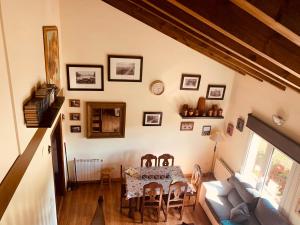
(157,87)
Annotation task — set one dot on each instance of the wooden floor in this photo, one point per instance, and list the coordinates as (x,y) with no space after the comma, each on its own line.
(80,204)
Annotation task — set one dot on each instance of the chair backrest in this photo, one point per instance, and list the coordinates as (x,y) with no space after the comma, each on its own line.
(152,193)
(177,193)
(122,174)
(196,175)
(165,160)
(148,158)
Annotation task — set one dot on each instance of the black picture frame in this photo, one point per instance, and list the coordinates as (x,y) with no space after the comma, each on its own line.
(212,90)
(206,130)
(240,124)
(95,70)
(75,116)
(194,78)
(74,103)
(137,75)
(155,121)
(75,129)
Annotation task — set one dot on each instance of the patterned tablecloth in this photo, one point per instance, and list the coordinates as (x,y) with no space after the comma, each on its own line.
(164,175)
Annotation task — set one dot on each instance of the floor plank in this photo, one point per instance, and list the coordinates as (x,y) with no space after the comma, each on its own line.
(80,204)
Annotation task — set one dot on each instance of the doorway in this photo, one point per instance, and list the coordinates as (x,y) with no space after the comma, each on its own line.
(58,163)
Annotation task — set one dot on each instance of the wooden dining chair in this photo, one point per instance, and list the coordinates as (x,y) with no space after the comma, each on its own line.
(194,185)
(148,158)
(122,189)
(175,198)
(152,198)
(164,160)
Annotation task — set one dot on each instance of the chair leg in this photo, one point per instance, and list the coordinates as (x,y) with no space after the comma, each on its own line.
(181,212)
(196,197)
(158,214)
(121,204)
(166,215)
(194,206)
(142,215)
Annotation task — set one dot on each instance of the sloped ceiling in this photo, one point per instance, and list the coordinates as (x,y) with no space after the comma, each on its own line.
(256,38)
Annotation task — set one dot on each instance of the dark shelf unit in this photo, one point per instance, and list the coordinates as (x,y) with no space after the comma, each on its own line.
(51,113)
(202,117)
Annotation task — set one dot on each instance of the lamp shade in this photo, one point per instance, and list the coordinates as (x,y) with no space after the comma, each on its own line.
(217,136)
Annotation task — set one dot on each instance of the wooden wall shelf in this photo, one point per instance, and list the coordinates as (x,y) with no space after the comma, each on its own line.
(51,113)
(202,117)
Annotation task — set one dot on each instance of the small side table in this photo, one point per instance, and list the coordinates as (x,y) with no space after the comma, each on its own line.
(106,176)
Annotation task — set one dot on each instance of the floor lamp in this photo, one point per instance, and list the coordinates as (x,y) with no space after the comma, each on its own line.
(216,136)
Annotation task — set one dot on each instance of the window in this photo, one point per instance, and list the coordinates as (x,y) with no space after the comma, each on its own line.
(268,168)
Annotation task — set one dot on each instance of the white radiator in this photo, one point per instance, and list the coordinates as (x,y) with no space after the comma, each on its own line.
(222,170)
(87,169)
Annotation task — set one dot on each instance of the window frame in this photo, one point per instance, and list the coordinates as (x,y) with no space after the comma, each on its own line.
(291,176)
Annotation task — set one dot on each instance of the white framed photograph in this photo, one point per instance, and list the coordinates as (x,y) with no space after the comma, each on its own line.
(187,126)
(190,82)
(152,118)
(215,92)
(125,68)
(85,77)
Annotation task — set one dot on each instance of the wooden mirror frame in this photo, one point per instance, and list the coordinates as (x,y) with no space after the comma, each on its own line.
(105,105)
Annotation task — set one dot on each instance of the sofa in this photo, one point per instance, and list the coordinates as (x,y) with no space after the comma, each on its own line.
(236,201)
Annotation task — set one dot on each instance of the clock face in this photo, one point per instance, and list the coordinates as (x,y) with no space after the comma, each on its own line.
(157,87)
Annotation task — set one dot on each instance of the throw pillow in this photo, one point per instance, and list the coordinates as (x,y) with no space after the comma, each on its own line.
(240,213)
(228,222)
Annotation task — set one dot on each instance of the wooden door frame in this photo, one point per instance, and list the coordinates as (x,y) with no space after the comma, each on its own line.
(60,157)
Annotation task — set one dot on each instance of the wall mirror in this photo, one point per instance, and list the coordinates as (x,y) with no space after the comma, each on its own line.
(106,119)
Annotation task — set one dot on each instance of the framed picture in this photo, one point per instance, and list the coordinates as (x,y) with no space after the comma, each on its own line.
(240,124)
(85,77)
(216,92)
(190,82)
(230,129)
(74,102)
(51,52)
(75,129)
(206,130)
(186,126)
(152,119)
(297,208)
(74,116)
(125,68)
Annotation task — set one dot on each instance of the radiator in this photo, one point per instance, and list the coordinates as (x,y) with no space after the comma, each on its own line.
(87,169)
(222,170)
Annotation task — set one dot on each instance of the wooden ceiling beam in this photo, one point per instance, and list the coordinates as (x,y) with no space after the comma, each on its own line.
(230,20)
(286,12)
(158,22)
(267,20)
(217,39)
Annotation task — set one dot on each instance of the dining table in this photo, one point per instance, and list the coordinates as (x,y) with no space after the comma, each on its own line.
(164,175)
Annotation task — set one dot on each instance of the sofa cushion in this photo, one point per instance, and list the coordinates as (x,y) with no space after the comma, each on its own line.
(266,214)
(219,206)
(240,213)
(246,192)
(234,198)
(251,221)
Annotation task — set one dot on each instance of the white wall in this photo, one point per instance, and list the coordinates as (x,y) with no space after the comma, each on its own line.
(90,31)
(22,23)
(9,145)
(34,200)
(21,28)
(264,100)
